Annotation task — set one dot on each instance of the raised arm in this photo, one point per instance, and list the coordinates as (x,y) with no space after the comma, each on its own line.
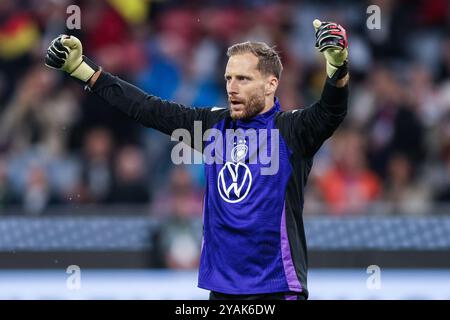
(66,53)
(306,129)
(147,109)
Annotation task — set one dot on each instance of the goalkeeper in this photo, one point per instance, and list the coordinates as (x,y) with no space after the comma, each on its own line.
(254,244)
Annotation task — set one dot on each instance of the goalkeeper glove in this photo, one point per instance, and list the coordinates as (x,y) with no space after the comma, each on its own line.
(331,39)
(66,53)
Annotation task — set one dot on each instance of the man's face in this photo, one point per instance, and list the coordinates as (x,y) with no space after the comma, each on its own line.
(245,86)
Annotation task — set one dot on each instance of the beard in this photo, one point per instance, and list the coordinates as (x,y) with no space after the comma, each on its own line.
(252,107)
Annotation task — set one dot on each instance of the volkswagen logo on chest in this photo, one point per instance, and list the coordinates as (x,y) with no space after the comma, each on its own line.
(235,178)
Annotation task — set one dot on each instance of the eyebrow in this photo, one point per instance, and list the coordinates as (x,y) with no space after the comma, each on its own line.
(239,76)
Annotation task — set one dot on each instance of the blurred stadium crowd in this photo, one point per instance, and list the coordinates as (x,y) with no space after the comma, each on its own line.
(61,146)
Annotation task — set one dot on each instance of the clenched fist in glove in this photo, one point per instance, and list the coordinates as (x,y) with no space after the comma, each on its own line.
(331,39)
(66,53)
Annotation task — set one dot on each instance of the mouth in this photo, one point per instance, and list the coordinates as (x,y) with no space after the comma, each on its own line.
(236,104)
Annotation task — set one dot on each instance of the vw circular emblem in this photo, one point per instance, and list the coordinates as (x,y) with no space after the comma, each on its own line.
(234,182)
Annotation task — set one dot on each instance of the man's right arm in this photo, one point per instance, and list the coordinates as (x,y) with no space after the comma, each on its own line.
(149,110)
(66,53)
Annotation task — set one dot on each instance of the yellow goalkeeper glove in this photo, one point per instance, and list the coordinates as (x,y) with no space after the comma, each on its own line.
(66,53)
(331,39)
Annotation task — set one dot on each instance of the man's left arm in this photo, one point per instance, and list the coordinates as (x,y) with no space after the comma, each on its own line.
(306,129)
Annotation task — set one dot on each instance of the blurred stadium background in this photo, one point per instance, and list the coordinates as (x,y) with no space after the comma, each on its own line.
(82,185)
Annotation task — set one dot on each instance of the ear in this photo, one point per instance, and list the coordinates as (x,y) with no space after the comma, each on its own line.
(271,85)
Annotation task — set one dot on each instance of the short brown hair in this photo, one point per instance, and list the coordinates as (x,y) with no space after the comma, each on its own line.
(269,60)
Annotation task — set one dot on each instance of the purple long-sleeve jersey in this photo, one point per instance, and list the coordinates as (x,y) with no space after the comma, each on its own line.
(256,172)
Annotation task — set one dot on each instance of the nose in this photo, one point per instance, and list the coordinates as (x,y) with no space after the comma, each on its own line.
(232,87)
